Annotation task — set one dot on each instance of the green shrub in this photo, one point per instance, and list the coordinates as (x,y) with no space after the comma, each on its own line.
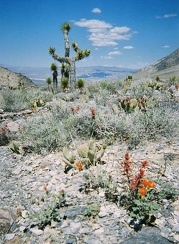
(64,83)
(49,81)
(53,67)
(80,83)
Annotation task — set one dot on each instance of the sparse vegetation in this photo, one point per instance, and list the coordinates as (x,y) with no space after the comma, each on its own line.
(81,124)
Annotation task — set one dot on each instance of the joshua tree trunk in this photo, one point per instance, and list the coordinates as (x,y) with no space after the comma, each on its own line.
(73,73)
(66,41)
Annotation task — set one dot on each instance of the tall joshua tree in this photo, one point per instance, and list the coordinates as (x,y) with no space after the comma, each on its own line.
(66,61)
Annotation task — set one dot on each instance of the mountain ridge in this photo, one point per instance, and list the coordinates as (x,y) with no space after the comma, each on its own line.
(164,68)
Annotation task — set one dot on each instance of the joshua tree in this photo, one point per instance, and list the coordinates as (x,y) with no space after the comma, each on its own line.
(68,68)
(53,68)
(49,82)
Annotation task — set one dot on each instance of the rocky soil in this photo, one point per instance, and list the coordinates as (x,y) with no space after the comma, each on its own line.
(34,183)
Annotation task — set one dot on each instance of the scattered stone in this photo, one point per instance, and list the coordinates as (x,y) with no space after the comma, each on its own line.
(147,235)
(7,218)
(9,237)
(22,181)
(13,126)
(25,214)
(36,231)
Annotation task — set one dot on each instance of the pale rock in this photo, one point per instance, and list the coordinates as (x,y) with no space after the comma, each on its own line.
(7,218)
(175,228)
(36,231)
(22,228)
(101,193)
(65,223)
(95,227)
(84,230)
(17,171)
(49,230)
(99,231)
(170,221)
(54,181)
(176,213)
(160,222)
(176,237)
(13,126)
(25,214)
(118,213)
(75,226)
(103,214)
(54,223)
(176,96)
(176,205)
(9,237)
(52,173)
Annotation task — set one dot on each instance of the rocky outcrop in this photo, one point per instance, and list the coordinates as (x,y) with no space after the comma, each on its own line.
(13,80)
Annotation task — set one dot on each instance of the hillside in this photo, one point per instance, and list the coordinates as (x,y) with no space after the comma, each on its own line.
(164,68)
(12,79)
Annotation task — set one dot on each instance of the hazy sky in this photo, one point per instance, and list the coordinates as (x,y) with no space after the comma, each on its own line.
(125,33)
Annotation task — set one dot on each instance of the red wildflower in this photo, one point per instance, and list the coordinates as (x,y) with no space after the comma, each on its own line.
(144,164)
(72,109)
(151,184)
(128,102)
(148,183)
(134,184)
(127,157)
(142,191)
(79,165)
(3,129)
(45,189)
(144,182)
(18,212)
(141,172)
(77,107)
(93,112)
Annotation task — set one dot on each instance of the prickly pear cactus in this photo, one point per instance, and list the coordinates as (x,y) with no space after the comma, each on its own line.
(88,154)
(133,103)
(91,156)
(83,150)
(69,158)
(68,155)
(100,153)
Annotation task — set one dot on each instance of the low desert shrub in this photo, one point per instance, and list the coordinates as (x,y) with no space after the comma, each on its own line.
(64,83)
(44,134)
(14,100)
(80,83)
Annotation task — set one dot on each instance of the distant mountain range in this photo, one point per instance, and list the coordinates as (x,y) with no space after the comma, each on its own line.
(89,73)
(164,68)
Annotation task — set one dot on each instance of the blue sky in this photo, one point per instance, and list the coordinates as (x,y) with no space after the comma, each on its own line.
(124,33)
